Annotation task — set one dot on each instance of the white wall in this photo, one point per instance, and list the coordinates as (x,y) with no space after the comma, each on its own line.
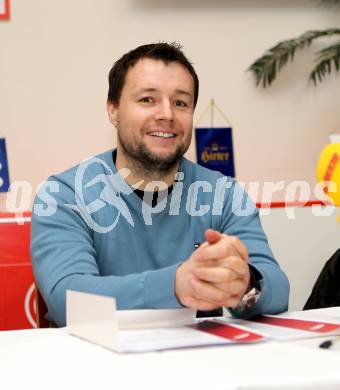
(302,240)
(55,56)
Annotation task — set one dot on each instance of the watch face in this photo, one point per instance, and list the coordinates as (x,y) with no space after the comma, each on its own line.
(249,299)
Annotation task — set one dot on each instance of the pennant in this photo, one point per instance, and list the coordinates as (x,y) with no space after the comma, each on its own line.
(4,176)
(214,148)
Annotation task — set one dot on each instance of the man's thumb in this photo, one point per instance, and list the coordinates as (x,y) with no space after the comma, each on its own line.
(212,236)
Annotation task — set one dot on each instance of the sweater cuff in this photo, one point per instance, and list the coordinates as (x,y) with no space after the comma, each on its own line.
(159,288)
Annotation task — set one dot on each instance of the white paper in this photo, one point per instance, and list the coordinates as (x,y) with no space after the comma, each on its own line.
(145,340)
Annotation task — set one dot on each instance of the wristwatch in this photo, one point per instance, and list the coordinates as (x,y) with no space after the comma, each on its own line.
(253,295)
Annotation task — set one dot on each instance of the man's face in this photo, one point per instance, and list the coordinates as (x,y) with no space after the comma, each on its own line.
(154,114)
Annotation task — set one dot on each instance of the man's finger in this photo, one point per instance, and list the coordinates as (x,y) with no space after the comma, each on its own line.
(235,264)
(208,292)
(237,288)
(215,274)
(224,247)
(224,279)
(212,236)
(218,250)
(240,246)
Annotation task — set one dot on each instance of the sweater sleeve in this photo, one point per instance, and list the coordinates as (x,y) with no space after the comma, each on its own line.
(64,257)
(241,218)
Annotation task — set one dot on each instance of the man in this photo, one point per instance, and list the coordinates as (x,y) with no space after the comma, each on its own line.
(143,224)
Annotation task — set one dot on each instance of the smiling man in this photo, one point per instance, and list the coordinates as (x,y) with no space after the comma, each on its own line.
(153,118)
(143,224)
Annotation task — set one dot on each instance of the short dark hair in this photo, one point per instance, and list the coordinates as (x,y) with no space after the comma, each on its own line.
(166,52)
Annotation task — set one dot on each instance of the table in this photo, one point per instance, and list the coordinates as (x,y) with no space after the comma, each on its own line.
(51,359)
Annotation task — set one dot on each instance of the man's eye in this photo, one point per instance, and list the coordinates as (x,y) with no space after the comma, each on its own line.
(146,99)
(180,103)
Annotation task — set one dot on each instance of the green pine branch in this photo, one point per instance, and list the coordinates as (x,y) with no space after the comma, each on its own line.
(328,59)
(267,67)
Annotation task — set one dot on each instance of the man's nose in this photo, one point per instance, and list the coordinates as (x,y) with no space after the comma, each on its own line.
(164,111)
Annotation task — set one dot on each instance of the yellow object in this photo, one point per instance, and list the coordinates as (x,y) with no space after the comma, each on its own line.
(328,169)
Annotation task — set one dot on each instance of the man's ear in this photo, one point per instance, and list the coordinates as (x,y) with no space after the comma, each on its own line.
(112,112)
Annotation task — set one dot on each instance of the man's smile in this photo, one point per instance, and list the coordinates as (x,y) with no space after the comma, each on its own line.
(162,134)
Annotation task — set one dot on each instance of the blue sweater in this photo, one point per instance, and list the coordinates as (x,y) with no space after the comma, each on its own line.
(92,233)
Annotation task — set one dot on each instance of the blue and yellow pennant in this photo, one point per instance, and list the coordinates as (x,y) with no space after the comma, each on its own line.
(214,147)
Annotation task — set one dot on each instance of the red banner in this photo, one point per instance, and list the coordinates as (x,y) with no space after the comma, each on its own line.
(17,298)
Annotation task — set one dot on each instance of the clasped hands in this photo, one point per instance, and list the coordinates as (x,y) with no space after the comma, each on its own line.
(216,274)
